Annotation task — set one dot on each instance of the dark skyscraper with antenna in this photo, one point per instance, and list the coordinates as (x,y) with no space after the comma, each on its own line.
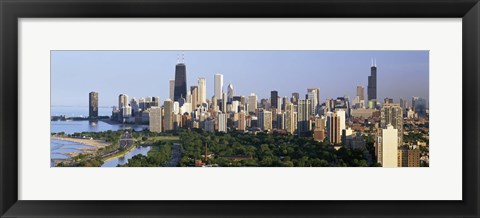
(372,82)
(180,89)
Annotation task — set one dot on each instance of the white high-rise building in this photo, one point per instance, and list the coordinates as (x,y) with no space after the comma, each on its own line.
(202,91)
(176,107)
(172,88)
(218,86)
(387,148)
(230,93)
(313,97)
(252,103)
(342,115)
(186,108)
(127,111)
(155,119)
(222,122)
(235,105)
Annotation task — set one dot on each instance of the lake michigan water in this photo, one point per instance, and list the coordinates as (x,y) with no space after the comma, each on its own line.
(58,148)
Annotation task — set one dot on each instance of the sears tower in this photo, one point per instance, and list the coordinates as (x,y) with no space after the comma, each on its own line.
(372,82)
(180,90)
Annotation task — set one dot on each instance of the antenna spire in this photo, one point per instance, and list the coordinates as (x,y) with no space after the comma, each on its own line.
(375,62)
(178,58)
(183,58)
(372,62)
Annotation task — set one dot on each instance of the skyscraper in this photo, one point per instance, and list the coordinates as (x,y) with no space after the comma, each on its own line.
(172,88)
(304,107)
(155,119)
(372,82)
(333,128)
(393,114)
(317,91)
(295,97)
(93,105)
(135,106)
(122,100)
(313,96)
(265,120)
(218,89)
(361,93)
(168,114)
(290,111)
(230,93)
(342,121)
(194,98)
(241,121)
(274,99)
(404,106)
(387,147)
(360,97)
(222,122)
(252,103)
(202,90)
(224,102)
(420,107)
(180,89)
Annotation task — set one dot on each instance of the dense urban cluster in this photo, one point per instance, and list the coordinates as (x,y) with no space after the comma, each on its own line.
(398,131)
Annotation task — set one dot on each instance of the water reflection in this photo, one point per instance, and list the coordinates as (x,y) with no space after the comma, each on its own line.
(124,159)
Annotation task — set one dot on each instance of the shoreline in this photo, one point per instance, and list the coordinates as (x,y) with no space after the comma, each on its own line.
(93,143)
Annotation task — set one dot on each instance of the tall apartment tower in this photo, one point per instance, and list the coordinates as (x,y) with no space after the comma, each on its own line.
(274,99)
(218,86)
(313,96)
(180,89)
(93,105)
(372,82)
(290,111)
(252,103)
(122,101)
(222,122)
(392,114)
(241,121)
(224,102)
(387,147)
(172,88)
(361,96)
(168,114)
(202,90)
(404,106)
(155,119)
(304,107)
(317,92)
(194,97)
(333,128)
(265,120)
(361,93)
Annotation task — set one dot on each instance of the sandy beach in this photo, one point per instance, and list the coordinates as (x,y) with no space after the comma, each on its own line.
(96,144)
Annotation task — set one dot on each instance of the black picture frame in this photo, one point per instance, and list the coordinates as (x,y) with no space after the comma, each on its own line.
(12,10)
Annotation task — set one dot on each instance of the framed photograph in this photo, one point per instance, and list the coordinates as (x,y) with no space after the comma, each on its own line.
(225,108)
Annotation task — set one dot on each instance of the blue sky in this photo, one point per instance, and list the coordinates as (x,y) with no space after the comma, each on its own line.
(147,73)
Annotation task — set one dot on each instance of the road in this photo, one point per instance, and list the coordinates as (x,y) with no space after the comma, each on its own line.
(176,155)
(126,139)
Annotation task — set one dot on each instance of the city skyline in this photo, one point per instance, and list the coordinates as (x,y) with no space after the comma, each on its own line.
(139,79)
